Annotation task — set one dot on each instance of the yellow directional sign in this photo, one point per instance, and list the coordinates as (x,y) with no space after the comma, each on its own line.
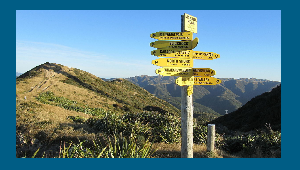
(206,81)
(178,71)
(172,44)
(189,23)
(183,45)
(172,53)
(183,81)
(173,62)
(185,54)
(205,55)
(206,72)
(174,71)
(177,45)
(172,35)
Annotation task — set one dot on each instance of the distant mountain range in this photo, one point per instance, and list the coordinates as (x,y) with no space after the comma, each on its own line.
(230,95)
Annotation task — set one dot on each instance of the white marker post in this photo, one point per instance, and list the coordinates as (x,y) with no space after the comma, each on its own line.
(211,138)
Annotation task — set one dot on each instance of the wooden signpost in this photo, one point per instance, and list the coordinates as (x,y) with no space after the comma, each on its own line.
(175,53)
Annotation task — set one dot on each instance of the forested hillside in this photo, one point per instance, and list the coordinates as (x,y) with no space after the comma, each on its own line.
(261,111)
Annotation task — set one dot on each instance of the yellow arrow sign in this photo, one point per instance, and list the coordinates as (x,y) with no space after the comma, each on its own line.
(174,71)
(183,81)
(172,53)
(185,54)
(180,45)
(172,44)
(206,72)
(173,62)
(205,55)
(206,81)
(172,35)
(177,71)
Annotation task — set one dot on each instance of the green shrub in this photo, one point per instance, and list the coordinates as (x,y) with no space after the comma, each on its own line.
(200,134)
(157,127)
(250,143)
(77,119)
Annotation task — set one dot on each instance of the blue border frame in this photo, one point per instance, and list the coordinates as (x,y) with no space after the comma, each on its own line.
(290,34)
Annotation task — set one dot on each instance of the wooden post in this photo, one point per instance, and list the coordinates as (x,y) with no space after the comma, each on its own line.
(186,117)
(211,138)
(186,124)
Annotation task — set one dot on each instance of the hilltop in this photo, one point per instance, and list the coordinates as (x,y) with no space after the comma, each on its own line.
(230,95)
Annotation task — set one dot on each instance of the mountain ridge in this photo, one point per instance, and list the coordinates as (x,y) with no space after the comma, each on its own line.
(230,95)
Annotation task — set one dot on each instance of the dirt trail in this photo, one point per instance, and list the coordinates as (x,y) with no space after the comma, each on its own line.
(45,83)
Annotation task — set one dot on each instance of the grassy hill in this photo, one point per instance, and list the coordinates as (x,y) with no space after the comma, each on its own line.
(56,103)
(118,95)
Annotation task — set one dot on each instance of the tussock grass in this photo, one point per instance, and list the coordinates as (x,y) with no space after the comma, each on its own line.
(164,150)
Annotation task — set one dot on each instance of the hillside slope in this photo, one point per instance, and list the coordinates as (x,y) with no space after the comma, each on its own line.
(255,114)
(56,103)
(230,95)
(119,95)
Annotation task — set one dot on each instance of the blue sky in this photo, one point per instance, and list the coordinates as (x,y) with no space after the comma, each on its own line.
(115,43)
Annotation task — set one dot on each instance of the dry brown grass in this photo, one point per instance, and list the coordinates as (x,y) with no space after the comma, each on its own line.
(47,125)
(164,150)
(50,81)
